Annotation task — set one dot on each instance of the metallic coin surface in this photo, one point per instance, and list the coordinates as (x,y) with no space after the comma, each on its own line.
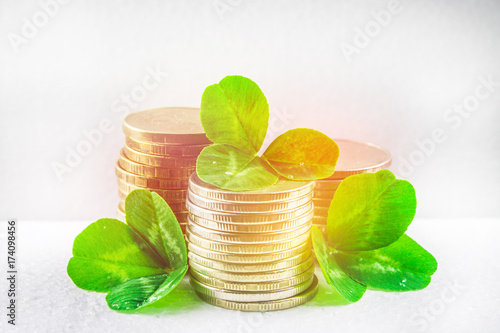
(256,258)
(245,247)
(159,183)
(323,194)
(243,267)
(159,161)
(152,171)
(231,217)
(359,157)
(250,296)
(322,202)
(247,207)
(253,227)
(262,238)
(253,286)
(281,304)
(254,276)
(175,125)
(321,211)
(327,184)
(164,149)
(320,220)
(168,195)
(283,190)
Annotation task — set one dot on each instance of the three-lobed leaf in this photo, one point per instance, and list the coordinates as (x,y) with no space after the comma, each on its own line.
(370,211)
(334,276)
(107,253)
(402,266)
(235,112)
(303,154)
(144,291)
(230,168)
(151,217)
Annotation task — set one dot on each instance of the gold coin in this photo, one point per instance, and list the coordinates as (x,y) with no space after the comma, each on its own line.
(175,206)
(281,304)
(322,202)
(254,276)
(323,194)
(172,125)
(248,258)
(283,190)
(168,195)
(253,227)
(319,220)
(253,286)
(250,296)
(181,217)
(159,161)
(141,181)
(231,217)
(152,171)
(253,207)
(164,149)
(359,157)
(237,238)
(327,184)
(257,267)
(245,247)
(321,211)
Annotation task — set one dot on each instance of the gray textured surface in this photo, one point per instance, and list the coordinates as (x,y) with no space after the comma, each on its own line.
(464,295)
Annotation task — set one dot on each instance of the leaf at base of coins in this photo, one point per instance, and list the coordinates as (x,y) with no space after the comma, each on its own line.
(351,290)
(140,292)
(401,266)
(107,253)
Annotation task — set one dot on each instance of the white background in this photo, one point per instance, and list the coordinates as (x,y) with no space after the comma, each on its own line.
(69,74)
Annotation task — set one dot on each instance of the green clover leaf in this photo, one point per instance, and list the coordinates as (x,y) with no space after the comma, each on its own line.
(138,263)
(367,247)
(235,115)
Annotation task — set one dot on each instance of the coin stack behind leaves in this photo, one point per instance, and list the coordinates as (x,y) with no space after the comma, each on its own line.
(160,154)
(355,158)
(250,251)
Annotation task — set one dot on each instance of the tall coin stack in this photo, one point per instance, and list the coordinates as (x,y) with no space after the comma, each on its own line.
(355,158)
(160,154)
(250,251)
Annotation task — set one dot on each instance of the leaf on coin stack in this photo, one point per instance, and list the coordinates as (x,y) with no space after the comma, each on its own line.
(303,154)
(107,253)
(230,168)
(367,219)
(141,292)
(235,112)
(151,217)
(235,116)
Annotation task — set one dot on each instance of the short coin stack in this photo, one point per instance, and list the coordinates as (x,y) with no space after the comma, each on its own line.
(250,251)
(355,158)
(160,154)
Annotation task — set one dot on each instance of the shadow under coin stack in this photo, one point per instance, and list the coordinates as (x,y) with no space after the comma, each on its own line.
(250,251)
(355,158)
(160,154)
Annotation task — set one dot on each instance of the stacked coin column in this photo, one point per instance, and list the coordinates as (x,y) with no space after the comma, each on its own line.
(355,158)
(250,251)
(160,154)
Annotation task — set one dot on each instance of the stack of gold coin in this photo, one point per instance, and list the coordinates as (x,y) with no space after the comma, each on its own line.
(160,154)
(355,158)
(250,251)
